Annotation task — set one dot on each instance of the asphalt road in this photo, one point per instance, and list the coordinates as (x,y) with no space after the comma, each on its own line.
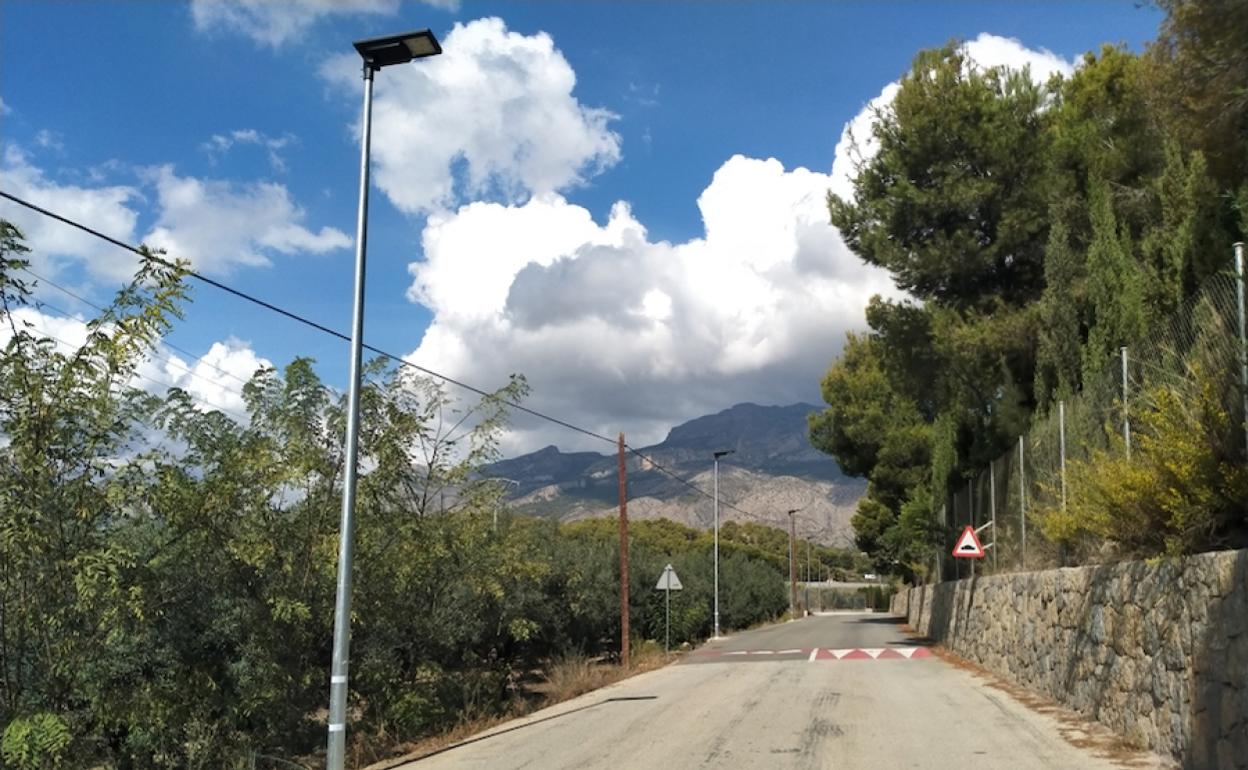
(815,693)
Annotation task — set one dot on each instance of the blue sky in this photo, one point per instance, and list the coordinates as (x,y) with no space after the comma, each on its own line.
(224,130)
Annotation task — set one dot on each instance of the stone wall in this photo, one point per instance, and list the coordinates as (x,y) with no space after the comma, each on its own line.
(1157,651)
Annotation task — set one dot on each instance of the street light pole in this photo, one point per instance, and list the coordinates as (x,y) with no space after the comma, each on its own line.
(808,575)
(514,483)
(717,455)
(792,564)
(376,53)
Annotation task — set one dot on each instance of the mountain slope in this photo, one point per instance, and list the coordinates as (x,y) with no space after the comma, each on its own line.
(773,468)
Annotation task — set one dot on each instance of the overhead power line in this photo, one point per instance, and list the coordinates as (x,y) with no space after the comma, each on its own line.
(305,321)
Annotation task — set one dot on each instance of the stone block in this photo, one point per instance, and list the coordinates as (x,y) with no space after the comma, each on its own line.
(1225,567)
(1226,755)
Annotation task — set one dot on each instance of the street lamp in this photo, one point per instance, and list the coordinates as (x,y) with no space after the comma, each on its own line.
(376,53)
(719,454)
(514,483)
(792,565)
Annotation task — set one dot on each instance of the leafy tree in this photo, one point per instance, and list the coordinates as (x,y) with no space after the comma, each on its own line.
(1199,66)
(1115,287)
(1061,326)
(952,204)
(1185,245)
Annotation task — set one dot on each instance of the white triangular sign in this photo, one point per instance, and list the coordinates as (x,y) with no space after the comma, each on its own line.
(668,580)
(968,546)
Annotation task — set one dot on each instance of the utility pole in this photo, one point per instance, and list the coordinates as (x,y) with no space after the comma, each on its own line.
(623,558)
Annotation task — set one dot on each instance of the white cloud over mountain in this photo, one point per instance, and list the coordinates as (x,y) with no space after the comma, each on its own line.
(493,116)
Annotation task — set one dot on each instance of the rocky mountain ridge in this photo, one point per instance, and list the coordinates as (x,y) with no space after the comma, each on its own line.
(773,468)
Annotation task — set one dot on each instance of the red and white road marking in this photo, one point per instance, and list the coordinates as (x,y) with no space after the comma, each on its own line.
(872,653)
(824,653)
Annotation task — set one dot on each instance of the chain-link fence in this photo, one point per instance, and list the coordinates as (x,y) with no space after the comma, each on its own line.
(1034,475)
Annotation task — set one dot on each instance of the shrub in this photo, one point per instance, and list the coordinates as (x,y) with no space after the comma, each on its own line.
(36,742)
(1182,490)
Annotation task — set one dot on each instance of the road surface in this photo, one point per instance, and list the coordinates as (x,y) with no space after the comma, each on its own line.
(815,693)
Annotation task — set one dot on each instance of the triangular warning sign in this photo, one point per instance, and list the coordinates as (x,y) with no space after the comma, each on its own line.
(968,546)
(668,580)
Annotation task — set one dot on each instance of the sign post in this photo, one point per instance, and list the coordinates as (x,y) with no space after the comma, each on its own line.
(668,582)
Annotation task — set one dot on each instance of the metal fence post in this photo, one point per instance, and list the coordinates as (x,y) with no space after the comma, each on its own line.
(1243,343)
(992,507)
(970,515)
(1061,435)
(1126,414)
(1022,499)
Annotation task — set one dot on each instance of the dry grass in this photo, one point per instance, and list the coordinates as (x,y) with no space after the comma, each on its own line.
(563,679)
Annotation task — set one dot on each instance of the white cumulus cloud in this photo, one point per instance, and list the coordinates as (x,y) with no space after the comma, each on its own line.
(110,209)
(218,225)
(858,144)
(493,116)
(988,50)
(615,330)
(214,380)
(220,144)
(278,22)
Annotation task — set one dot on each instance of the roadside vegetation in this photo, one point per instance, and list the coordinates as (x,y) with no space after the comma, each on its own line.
(1036,229)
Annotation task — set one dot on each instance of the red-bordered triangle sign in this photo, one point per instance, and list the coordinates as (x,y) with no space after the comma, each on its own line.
(968,546)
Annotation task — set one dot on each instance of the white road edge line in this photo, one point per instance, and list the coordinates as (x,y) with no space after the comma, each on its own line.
(813,653)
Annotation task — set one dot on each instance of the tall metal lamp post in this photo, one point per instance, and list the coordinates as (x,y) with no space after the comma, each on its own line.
(792,564)
(377,53)
(719,454)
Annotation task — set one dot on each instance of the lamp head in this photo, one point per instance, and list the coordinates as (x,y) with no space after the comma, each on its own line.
(381,52)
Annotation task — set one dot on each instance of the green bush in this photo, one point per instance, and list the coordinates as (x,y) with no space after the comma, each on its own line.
(36,742)
(1182,490)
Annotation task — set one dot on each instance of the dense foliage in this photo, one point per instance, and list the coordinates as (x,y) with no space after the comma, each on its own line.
(167,572)
(1037,228)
